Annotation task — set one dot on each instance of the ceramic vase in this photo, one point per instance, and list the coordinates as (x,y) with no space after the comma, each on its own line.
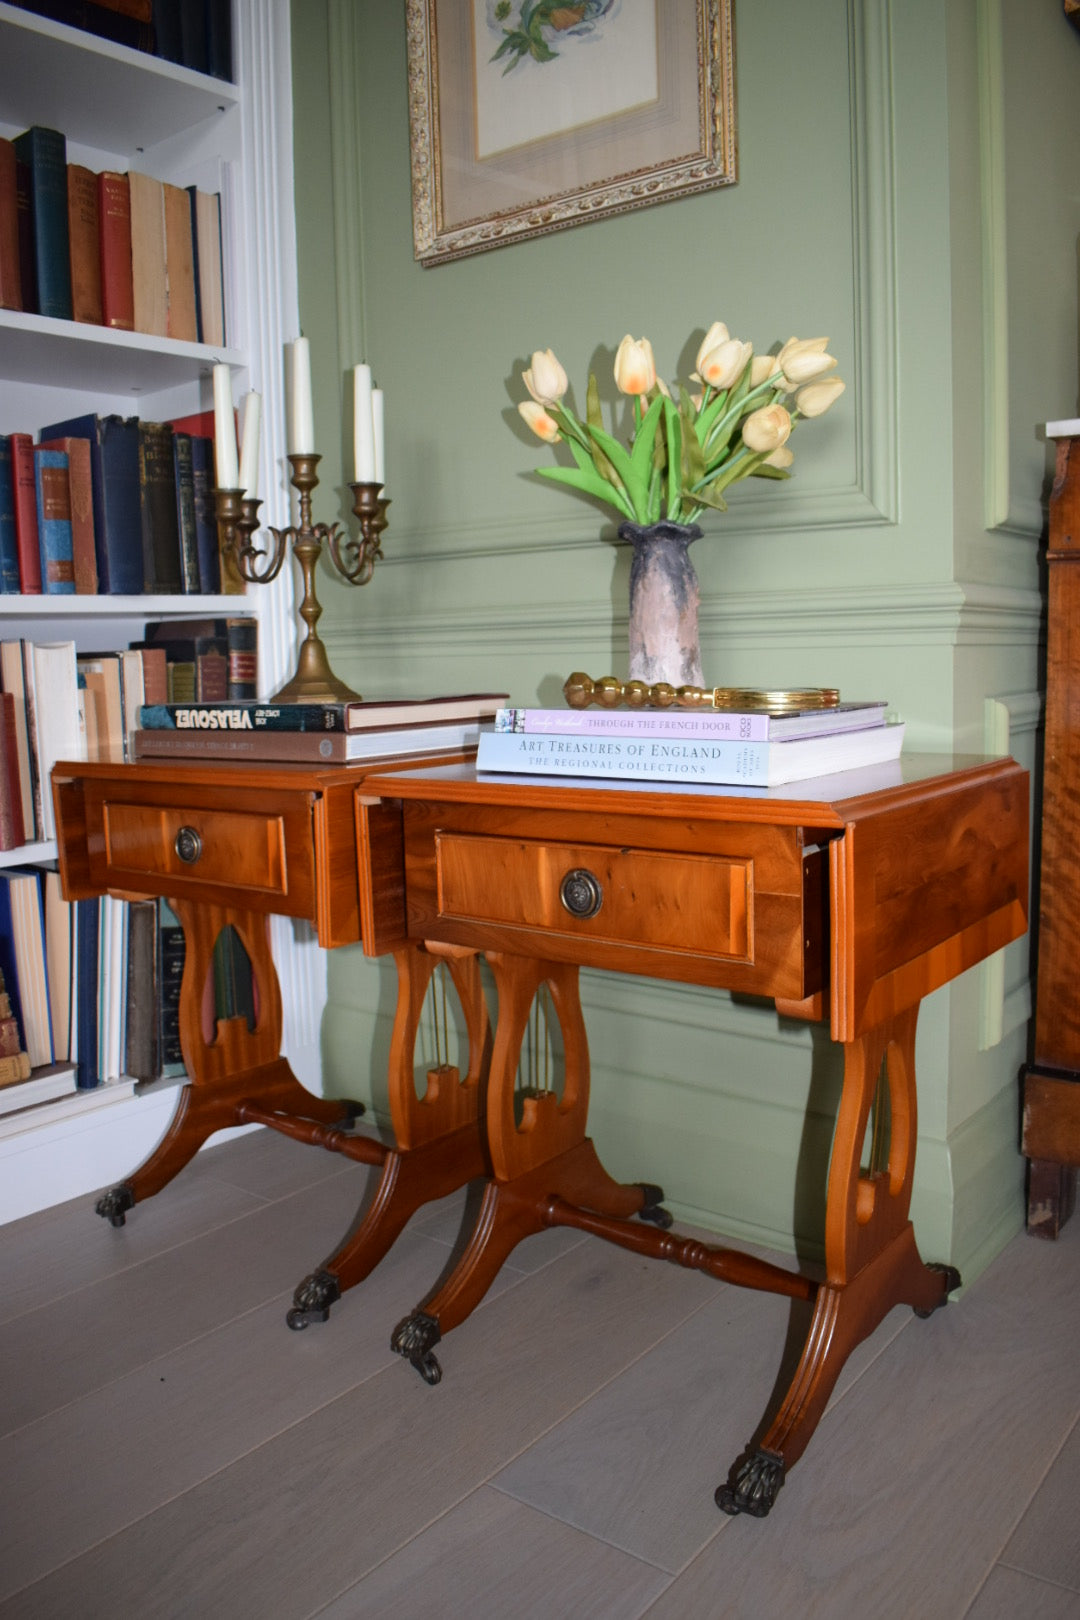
(664,600)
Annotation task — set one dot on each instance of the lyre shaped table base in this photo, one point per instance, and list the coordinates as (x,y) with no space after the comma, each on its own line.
(238,1076)
(544,1156)
(439,1145)
(545,1172)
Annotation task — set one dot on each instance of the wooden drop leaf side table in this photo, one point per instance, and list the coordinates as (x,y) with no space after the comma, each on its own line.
(849,898)
(228,844)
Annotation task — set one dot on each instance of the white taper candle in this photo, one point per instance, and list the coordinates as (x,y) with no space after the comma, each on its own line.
(224,430)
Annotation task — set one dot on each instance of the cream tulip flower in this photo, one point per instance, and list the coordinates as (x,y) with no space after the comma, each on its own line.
(804,359)
(781,458)
(764,367)
(545,379)
(544,426)
(816,397)
(635,368)
(725,364)
(766,429)
(717,334)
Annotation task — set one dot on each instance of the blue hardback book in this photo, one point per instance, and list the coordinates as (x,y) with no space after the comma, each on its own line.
(9,548)
(114,471)
(55,540)
(42,156)
(86,1011)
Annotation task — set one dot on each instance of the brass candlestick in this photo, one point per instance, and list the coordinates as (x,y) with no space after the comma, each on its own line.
(238,520)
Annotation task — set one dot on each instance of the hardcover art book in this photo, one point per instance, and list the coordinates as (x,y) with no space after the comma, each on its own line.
(707,762)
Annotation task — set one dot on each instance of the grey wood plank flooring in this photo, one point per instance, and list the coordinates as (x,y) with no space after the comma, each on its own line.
(169,1448)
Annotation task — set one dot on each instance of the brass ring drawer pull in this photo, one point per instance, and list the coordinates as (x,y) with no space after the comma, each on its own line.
(580,893)
(188,845)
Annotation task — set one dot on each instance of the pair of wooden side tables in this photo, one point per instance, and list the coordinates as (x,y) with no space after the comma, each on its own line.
(849,901)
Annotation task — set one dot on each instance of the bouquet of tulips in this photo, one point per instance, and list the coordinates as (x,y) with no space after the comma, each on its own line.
(683,453)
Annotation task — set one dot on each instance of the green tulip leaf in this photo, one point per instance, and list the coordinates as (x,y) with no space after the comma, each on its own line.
(589,483)
(633,482)
(770,472)
(711,498)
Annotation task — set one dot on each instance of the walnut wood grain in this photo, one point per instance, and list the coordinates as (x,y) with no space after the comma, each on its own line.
(1050,1109)
(862,901)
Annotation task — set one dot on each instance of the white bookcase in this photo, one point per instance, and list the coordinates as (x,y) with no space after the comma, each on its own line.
(120,109)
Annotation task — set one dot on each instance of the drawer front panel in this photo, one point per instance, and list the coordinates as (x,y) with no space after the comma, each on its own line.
(689,903)
(244,852)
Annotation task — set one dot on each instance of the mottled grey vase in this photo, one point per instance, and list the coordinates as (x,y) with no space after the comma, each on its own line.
(663,604)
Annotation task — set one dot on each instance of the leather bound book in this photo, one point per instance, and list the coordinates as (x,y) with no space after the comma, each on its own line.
(106,19)
(219,38)
(9,546)
(13,680)
(12,832)
(209,288)
(243,638)
(10,274)
(179,265)
(81,494)
(114,471)
(148,274)
(114,245)
(54,522)
(26,530)
(185,513)
(84,244)
(206,530)
(42,153)
(157,497)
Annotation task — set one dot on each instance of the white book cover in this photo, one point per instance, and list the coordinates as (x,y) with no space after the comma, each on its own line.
(56,716)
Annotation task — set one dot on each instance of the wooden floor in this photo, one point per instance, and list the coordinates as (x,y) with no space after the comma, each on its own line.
(170,1448)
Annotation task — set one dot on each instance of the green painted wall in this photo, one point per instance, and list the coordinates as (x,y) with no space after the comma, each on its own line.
(903,187)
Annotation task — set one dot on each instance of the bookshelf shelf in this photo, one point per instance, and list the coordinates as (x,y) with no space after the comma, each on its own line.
(96,359)
(121,108)
(138,99)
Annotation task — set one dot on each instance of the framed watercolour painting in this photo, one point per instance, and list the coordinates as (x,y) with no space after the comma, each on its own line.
(528,116)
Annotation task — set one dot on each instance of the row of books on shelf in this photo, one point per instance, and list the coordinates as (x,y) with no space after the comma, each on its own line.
(57,703)
(112,506)
(195,34)
(707,747)
(92,989)
(118,249)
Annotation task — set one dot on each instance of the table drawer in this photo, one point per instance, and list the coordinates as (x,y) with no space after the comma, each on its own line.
(748,911)
(246,851)
(253,849)
(693,903)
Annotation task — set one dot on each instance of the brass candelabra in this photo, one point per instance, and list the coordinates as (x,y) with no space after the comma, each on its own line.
(354,559)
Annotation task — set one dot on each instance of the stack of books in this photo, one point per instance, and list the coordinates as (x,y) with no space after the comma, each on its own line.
(321,733)
(709,747)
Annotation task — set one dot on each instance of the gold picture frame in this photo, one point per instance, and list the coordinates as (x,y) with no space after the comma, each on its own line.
(491,162)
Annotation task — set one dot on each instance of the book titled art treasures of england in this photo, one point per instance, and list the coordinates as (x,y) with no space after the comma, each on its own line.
(706,762)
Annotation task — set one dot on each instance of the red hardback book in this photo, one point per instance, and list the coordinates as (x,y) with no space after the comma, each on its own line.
(12,834)
(84,244)
(10,275)
(80,484)
(26,524)
(114,238)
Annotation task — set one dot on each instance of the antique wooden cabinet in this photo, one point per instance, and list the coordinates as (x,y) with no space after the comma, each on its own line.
(1051,1110)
